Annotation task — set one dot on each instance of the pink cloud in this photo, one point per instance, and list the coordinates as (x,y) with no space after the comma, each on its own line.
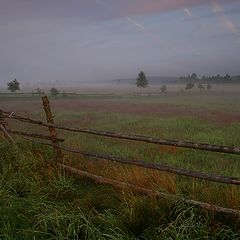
(133,22)
(141,7)
(224,20)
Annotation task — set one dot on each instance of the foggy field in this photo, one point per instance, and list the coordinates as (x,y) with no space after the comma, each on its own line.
(208,117)
(145,141)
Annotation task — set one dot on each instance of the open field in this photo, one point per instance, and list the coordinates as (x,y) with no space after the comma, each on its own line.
(210,117)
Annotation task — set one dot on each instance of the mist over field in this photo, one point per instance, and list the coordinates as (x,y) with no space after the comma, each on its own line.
(96,40)
(119,120)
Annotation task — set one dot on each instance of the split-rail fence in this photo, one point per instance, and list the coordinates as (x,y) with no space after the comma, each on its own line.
(59,149)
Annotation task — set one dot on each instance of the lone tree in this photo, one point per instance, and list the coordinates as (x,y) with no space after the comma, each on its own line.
(189,85)
(64,94)
(13,86)
(40,91)
(194,77)
(54,91)
(142,80)
(163,88)
(209,86)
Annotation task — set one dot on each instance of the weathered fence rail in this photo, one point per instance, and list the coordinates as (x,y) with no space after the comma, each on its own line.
(154,166)
(147,139)
(150,192)
(32,135)
(55,143)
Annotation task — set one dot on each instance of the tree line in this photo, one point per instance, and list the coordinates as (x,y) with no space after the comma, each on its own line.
(14,86)
(210,79)
(192,80)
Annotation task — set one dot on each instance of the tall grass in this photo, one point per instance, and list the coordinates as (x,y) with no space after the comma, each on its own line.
(188,128)
(37,201)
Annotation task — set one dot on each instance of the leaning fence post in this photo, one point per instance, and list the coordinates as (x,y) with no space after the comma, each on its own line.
(52,130)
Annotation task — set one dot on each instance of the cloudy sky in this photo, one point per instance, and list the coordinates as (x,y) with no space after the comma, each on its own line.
(89,40)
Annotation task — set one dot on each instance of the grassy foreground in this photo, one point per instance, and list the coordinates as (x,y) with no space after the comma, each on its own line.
(37,202)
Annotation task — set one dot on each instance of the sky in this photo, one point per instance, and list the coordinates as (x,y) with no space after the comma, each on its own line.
(96,40)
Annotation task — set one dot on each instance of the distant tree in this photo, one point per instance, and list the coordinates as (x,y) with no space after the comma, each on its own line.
(189,85)
(64,94)
(13,86)
(201,87)
(209,86)
(163,88)
(142,80)
(54,91)
(227,78)
(40,91)
(194,76)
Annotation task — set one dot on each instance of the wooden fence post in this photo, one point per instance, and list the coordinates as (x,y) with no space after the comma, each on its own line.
(53,133)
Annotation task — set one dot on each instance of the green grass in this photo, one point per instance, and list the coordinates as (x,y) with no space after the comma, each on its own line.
(183,128)
(36,202)
(172,128)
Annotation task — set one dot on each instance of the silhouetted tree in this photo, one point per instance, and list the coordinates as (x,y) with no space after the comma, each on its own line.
(142,80)
(194,76)
(54,91)
(39,91)
(13,86)
(227,78)
(209,86)
(189,85)
(163,88)
(64,94)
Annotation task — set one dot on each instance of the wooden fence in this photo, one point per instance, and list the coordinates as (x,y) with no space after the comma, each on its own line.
(59,149)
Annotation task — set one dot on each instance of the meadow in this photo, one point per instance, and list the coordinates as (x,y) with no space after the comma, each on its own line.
(37,201)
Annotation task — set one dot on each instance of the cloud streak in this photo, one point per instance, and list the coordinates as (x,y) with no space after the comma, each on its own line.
(78,40)
(188,12)
(107,6)
(143,29)
(143,7)
(133,22)
(218,10)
